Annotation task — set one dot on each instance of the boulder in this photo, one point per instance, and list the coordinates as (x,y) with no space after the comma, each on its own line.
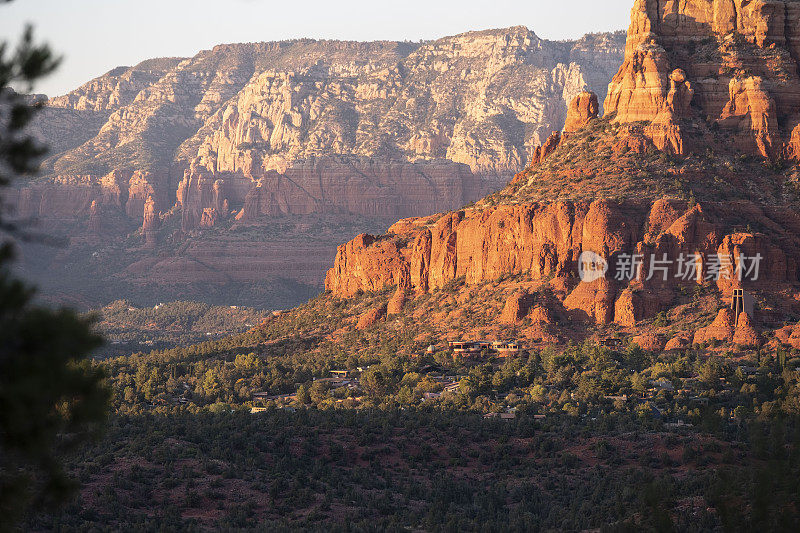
(371,317)
(649,341)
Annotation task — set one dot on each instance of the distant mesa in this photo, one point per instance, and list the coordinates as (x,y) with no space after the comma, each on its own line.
(295,127)
(175,155)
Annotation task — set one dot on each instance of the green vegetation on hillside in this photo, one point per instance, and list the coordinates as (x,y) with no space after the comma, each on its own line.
(600,162)
(571,437)
(435,470)
(131,329)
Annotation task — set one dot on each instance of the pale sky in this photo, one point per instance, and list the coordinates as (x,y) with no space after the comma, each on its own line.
(94,36)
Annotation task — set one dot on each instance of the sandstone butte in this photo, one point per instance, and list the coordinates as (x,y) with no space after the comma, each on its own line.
(731,64)
(695,155)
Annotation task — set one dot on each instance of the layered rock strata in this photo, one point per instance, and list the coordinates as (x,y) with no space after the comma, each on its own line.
(307,126)
(546,241)
(728,65)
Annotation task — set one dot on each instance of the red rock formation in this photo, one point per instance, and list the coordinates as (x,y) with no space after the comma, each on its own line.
(541,315)
(540,153)
(745,334)
(632,140)
(595,300)
(716,55)
(371,317)
(115,187)
(789,335)
(649,341)
(209,218)
(336,128)
(752,114)
(546,240)
(150,222)
(52,201)
(142,186)
(364,264)
(793,148)
(217,260)
(722,329)
(582,109)
(520,176)
(331,185)
(396,302)
(516,307)
(794,339)
(629,308)
(678,342)
(71,197)
(95,218)
(203,198)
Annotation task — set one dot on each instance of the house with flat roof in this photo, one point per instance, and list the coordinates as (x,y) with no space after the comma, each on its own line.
(471,348)
(466,347)
(452,387)
(506,348)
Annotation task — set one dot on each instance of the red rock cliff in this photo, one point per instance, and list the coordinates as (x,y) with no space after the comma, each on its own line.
(547,239)
(725,64)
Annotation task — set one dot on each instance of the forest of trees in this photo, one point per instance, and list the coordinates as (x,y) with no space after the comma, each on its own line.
(430,469)
(618,438)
